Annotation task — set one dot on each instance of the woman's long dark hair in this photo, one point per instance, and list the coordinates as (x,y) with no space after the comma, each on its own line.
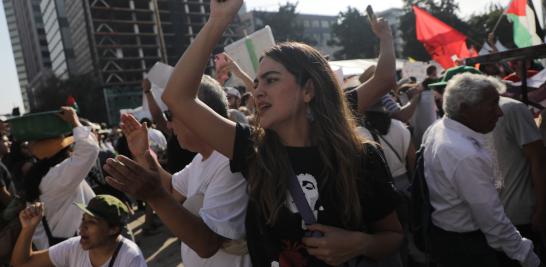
(332,133)
(32,180)
(380,122)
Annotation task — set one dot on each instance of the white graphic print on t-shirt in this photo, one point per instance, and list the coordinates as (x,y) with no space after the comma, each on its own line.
(309,186)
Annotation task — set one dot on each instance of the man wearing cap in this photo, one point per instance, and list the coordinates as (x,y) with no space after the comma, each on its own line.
(469,225)
(99,244)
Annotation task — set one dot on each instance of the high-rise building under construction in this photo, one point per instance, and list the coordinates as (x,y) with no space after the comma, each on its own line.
(118,41)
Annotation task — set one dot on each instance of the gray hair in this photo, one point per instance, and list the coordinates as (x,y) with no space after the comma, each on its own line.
(210,92)
(467,88)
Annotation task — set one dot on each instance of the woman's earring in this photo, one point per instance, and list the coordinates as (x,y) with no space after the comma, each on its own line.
(310,115)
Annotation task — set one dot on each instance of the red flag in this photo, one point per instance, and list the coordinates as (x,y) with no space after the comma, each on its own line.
(70,100)
(517,7)
(440,40)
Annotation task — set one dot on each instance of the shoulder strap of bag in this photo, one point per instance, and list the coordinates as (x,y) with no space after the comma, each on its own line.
(376,138)
(52,240)
(392,148)
(116,252)
(299,199)
(47,230)
(301,202)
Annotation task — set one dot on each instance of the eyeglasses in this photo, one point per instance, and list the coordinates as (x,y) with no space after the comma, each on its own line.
(168,115)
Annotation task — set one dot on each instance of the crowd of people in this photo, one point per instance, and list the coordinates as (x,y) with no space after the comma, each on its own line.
(292,168)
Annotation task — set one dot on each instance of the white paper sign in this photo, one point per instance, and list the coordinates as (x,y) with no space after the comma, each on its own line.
(158,75)
(248,50)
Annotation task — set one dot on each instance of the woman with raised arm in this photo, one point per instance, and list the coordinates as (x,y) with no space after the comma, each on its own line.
(304,124)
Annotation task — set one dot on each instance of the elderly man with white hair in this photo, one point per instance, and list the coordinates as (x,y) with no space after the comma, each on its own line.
(469,225)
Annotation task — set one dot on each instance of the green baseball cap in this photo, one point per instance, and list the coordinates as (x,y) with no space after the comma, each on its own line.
(106,207)
(450,73)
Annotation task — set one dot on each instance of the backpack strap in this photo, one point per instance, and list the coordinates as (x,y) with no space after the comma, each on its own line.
(116,252)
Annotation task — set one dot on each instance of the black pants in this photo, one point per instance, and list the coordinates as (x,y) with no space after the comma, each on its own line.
(450,249)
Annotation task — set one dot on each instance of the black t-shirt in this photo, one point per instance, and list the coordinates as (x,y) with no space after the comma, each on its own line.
(282,241)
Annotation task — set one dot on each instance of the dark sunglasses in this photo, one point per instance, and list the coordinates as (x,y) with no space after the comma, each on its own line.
(168,115)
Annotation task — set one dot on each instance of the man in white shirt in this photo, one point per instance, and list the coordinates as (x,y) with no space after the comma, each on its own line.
(211,221)
(469,222)
(100,242)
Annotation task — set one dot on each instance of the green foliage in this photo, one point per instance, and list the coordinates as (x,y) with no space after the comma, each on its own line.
(482,24)
(285,25)
(84,88)
(353,33)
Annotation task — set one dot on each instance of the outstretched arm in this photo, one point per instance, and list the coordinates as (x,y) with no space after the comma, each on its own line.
(406,112)
(22,252)
(383,79)
(232,66)
(129,177)
(180,95)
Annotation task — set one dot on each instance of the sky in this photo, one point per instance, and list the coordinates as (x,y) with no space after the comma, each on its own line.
(10,95)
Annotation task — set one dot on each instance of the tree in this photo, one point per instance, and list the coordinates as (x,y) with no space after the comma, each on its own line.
(285,24)
(353,33)
(483,24)
(84,88)
(444,10)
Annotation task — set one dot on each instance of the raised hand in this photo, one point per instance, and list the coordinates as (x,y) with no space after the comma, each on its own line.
(31,215)
(133,179)
(224,9)
(336,246)
(136,134)
(381,28)
(146,85)
(69,115)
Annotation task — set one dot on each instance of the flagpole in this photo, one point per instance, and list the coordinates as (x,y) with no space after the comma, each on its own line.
(500,17)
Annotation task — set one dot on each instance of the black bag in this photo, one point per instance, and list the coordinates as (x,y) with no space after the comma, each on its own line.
(420,207)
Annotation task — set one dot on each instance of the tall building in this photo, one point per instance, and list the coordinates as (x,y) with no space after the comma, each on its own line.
(118,41)
(316,28)
(58,37)
(29,45)
(17,51)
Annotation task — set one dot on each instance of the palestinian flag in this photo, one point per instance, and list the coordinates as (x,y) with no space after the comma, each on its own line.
(527,29)
(71,102)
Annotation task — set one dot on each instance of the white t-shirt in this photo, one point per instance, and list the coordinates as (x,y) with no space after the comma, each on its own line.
(399,137)
(224,202)
(70,253)
(65,184)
